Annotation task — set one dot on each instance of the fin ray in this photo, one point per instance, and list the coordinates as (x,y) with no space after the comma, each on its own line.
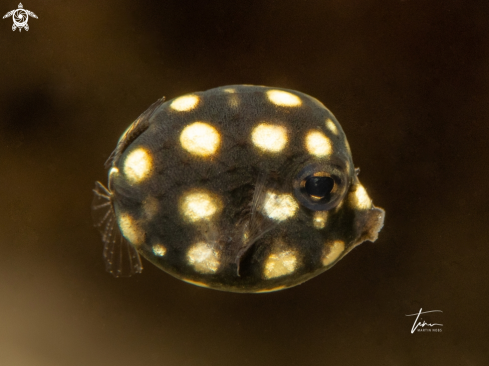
(121,258)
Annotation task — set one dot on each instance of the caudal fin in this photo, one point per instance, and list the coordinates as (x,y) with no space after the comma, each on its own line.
(121,258)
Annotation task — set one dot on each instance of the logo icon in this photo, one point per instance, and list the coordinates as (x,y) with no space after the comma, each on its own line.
(20,17)
(420,326)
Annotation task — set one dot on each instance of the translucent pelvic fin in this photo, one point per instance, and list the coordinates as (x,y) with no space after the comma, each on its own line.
(121,258)
(255,225)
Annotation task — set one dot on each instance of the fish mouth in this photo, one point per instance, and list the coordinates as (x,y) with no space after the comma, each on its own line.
(368,225)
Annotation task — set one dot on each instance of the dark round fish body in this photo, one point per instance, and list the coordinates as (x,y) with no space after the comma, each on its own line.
(238,188)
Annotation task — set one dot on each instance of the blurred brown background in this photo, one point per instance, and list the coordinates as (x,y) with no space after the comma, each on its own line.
(408,80)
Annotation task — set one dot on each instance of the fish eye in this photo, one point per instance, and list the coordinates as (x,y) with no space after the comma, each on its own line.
(321,187)
(318,187)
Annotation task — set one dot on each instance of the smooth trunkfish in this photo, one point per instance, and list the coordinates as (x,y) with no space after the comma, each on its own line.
(239,188)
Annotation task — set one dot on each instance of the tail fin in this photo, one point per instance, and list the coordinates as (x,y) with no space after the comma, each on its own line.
(121,258)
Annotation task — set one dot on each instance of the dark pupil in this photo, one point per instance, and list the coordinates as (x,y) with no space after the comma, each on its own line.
(319,186)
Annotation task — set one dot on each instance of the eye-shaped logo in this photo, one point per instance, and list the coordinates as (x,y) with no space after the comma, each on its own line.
(20,17)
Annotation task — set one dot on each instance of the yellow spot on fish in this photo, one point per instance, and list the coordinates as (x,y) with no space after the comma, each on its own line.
(230,90)
(138,165)
(330,125)
(280,264)
(233,101)
(203,257)
(333,251)
(320,219)
(150,207)
(279,206)
(113,170)
(283,98)
(200,138)
(318,144)
(268,137)
(199,205)
(130,230)
(159,250)
(360,199)
(271,289)
(185,103)
(246,236)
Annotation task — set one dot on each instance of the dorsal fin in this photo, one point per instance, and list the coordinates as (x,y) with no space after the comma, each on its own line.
(140,125)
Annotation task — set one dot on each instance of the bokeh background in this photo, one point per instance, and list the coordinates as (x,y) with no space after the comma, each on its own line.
(409,82)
